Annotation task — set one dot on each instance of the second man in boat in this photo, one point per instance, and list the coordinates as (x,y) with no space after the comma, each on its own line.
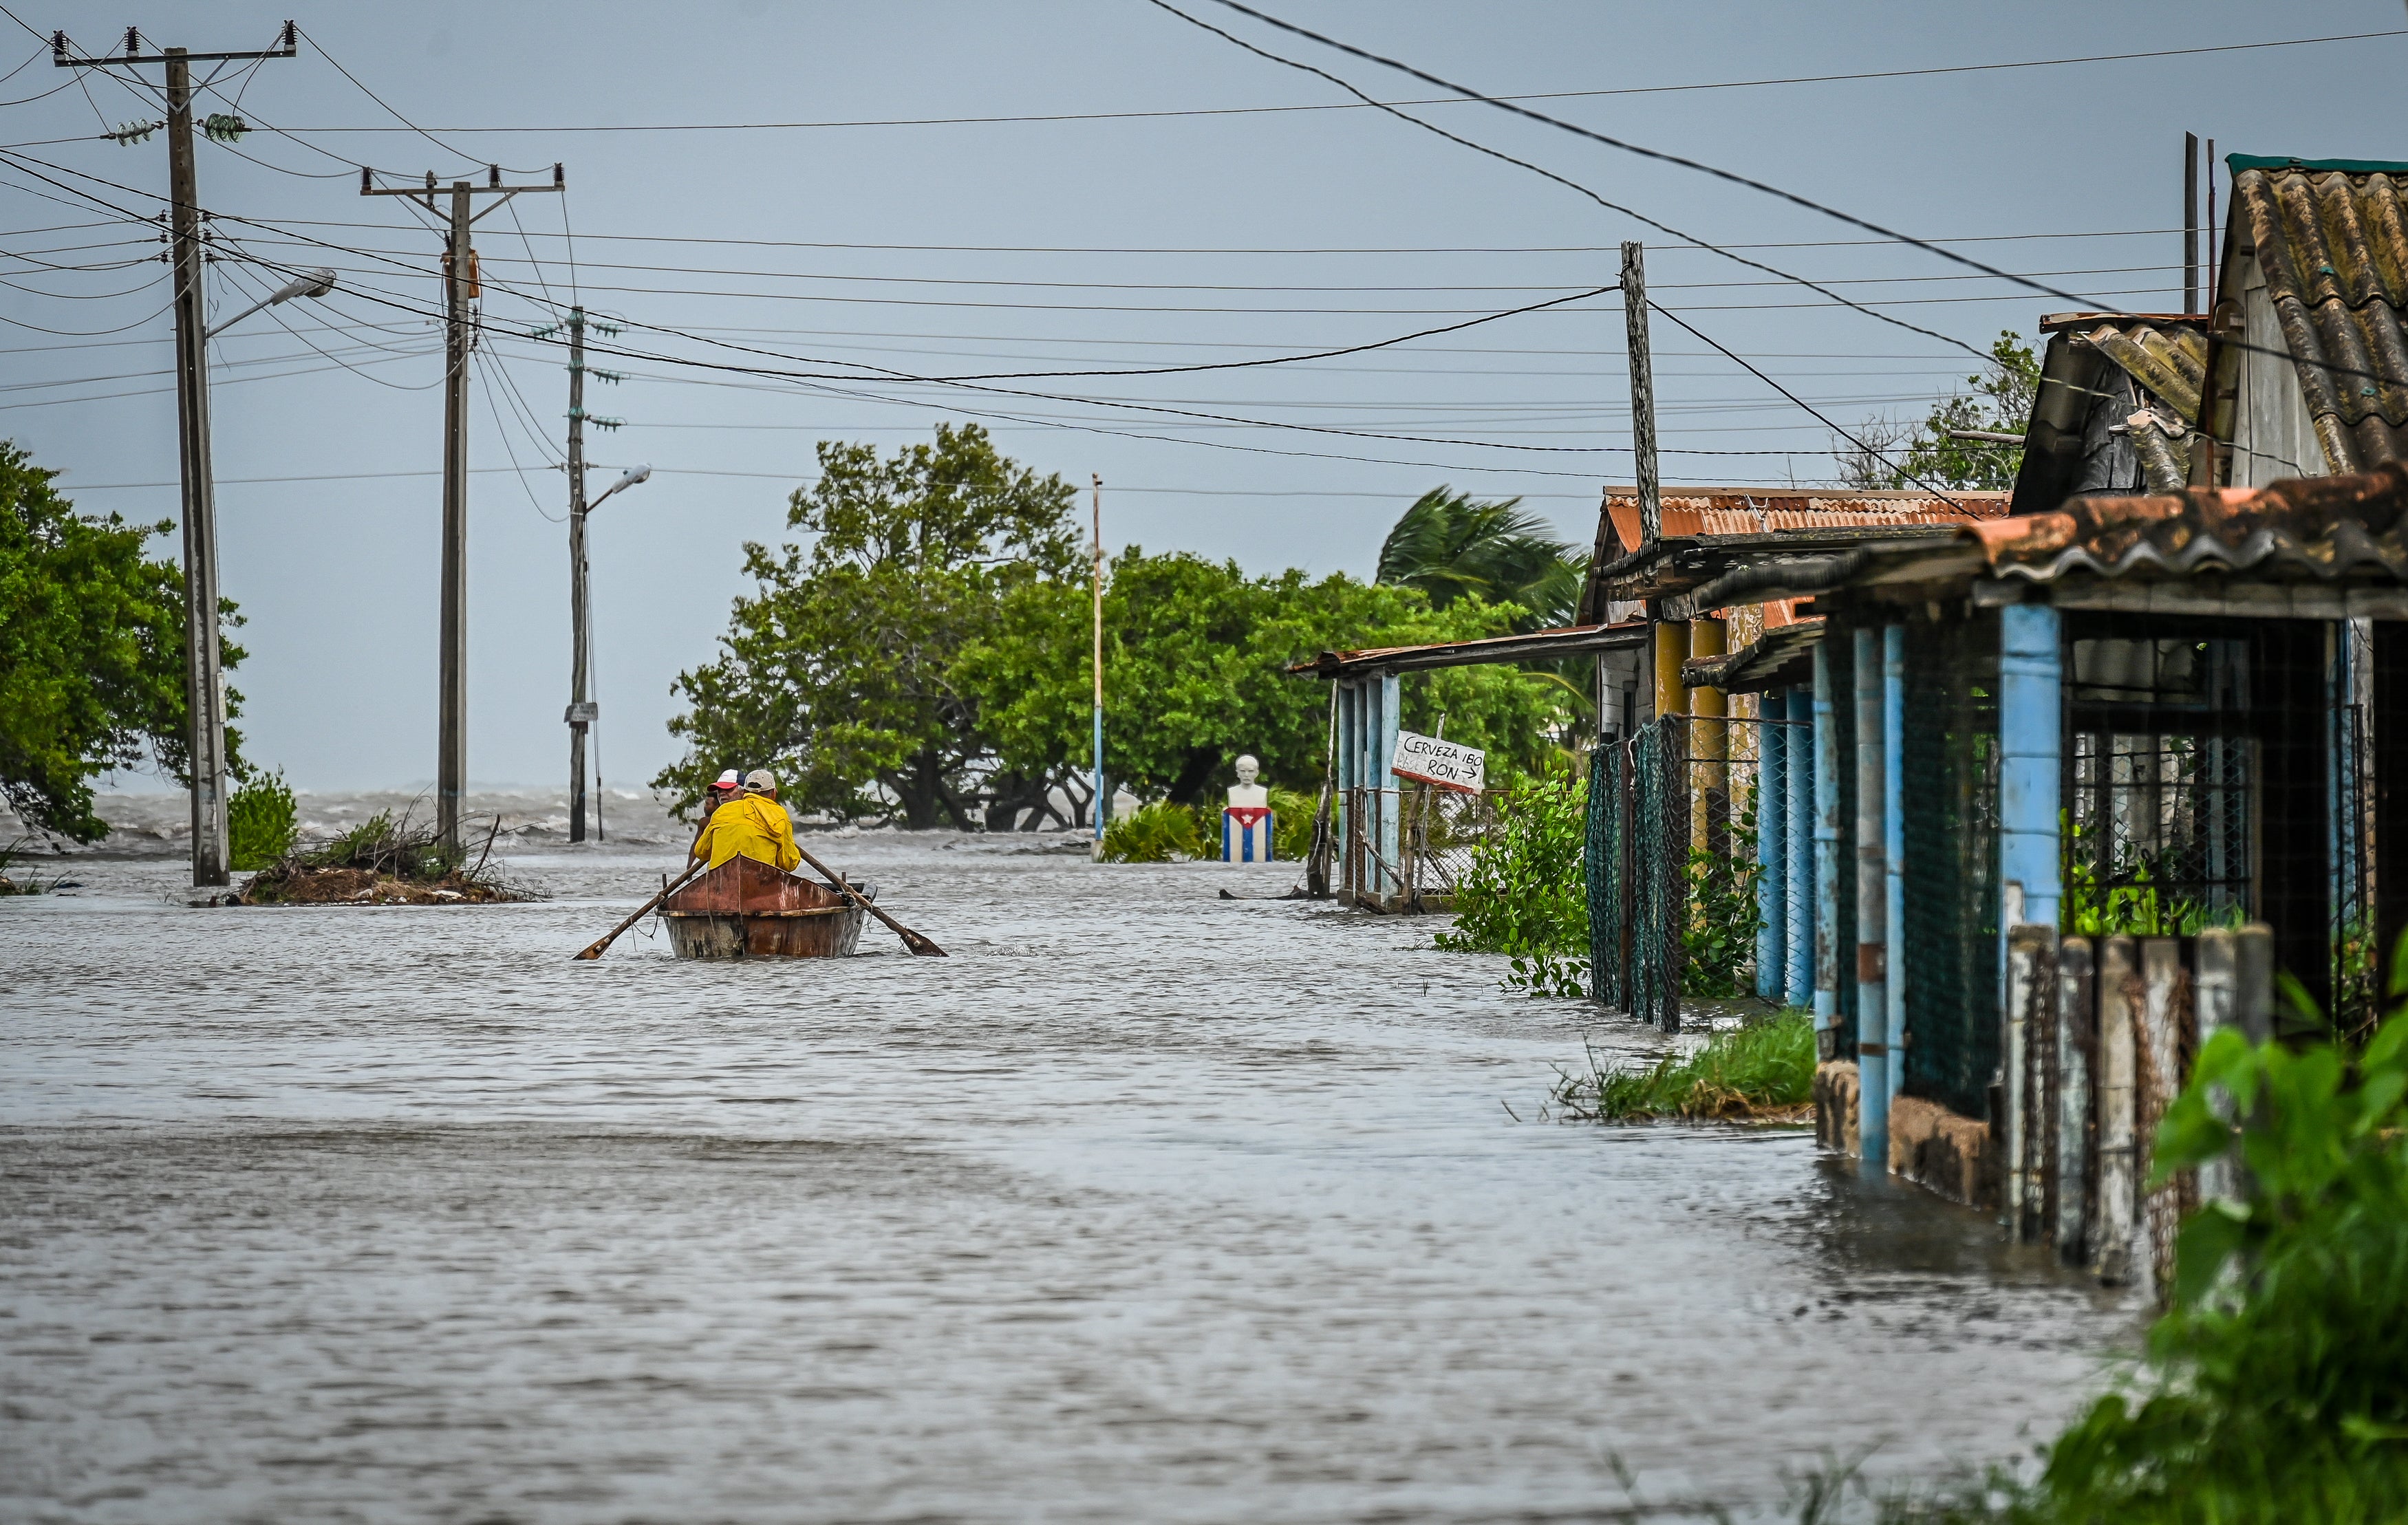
(751,825)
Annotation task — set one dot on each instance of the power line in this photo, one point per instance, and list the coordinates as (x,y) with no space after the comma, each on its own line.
(1562,180)
(1272,110)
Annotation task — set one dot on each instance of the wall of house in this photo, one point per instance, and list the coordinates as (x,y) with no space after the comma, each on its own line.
(2273,436)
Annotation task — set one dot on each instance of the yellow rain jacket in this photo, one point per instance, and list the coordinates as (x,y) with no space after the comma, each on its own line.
(749,826)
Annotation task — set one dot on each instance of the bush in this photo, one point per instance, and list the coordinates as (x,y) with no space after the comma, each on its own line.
(261,821)
(1763,1067)
(1164,832)
(1292,833)
(1718,944)
(1524,894)
(2277,1392)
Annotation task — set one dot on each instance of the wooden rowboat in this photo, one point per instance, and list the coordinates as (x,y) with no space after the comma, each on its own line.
(747,910)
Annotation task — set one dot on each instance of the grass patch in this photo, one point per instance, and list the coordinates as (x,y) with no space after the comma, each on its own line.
(1762,1072)
(23,882)
(1164,832)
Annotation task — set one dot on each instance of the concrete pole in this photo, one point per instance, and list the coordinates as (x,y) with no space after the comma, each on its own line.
(580,698)
(452,751)
(1872,906)
(204,675)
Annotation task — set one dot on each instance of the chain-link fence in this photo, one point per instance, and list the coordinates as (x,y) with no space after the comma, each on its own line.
(1671,864)
(1437,832)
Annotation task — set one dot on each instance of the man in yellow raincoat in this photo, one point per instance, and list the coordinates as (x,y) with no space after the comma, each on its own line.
(751,826)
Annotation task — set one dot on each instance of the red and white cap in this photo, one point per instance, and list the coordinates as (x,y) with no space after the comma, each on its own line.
(730,779)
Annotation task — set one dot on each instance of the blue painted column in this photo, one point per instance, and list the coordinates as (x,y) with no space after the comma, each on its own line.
(1773,848)
(1380,739)
(1894,844)
(1801,952)
(1827,854)
(2031,728)
(1872,909)
(1350,726)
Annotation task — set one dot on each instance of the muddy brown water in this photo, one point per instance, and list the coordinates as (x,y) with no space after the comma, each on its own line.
(1145,1205)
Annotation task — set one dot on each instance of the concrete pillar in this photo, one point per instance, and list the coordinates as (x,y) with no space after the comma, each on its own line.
(1350,774)
(1894,846)
(2117,1208)
(1671,645)
(1872,906)
(1801,927)
(1381,735)
(1709,737)
(1828,953)
(1773,849)
(2031,725)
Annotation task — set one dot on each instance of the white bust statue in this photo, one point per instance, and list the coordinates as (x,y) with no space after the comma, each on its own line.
(1246,793)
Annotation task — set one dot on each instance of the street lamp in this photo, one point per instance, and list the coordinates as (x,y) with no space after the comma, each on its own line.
(583,710)
(308,283)
(205,685)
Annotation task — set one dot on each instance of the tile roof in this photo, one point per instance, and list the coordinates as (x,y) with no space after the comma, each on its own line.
(2307,529)
(2333,244)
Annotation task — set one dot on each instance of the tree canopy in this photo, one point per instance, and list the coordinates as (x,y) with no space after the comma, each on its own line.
(837,673)
(1450,545)
(926,655)
(1922,454)
(92,653)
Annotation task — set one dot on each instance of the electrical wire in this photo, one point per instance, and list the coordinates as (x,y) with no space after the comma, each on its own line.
(1544,95)
(1571,184)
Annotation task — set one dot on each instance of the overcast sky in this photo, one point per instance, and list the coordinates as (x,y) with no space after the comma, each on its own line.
(1166,218)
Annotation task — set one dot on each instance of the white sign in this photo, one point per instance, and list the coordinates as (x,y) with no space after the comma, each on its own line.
(1429,761)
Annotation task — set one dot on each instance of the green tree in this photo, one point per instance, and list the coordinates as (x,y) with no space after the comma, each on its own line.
(838,670)
(92,653)
(1195,660)
(1905,455)
(1450,545)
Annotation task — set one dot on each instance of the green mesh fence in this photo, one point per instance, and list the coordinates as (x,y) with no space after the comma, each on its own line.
(1636,859)
(1949,766)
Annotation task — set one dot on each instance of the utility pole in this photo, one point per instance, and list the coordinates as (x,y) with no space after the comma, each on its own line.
(461,290)
(2190,223)
(1099,666)
(580,701)
(1642,393)
(204,740)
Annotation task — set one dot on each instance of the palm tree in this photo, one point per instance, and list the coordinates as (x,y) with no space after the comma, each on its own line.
(1448,544)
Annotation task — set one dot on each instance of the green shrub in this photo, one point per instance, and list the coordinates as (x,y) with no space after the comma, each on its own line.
(1718,943)
(1164,832)
(1766,1066)
(1291,833)
(1524,894)
(261,821)
(2276,1390)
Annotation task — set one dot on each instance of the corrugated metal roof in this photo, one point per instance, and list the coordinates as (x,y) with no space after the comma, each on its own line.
(2333,246)
(2311,528)
(1726,510)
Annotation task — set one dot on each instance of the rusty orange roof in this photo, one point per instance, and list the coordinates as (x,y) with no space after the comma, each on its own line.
(2321,527)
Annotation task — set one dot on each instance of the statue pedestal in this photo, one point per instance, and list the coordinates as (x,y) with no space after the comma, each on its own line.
(1246,833)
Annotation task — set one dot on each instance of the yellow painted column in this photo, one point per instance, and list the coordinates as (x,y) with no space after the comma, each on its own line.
(1671,645)
(1708,741)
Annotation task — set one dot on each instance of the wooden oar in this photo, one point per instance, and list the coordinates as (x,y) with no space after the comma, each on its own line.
(912,940)
(667,889)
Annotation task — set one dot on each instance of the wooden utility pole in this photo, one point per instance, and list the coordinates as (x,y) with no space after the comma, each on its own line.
(204,674)
(1098,850)
(1642,393)
(580,700)
(461,290)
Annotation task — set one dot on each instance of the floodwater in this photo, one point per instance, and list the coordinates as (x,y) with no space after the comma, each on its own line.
(1146,1204)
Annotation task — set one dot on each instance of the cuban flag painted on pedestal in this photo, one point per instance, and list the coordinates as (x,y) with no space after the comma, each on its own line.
(1246,833)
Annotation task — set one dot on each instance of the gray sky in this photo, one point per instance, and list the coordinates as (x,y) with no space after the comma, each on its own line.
(1083,243)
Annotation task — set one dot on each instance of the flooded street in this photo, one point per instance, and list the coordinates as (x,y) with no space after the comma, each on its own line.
(1145,1205)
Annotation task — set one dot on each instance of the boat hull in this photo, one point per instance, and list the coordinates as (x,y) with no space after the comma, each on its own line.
(747,910)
